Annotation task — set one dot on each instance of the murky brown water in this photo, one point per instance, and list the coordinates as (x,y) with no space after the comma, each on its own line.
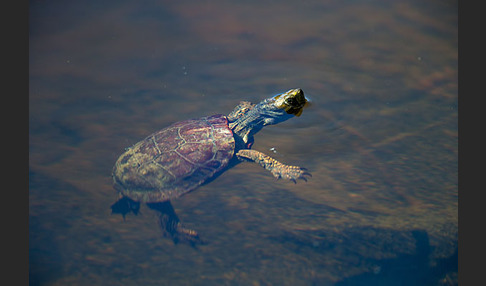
(380,138)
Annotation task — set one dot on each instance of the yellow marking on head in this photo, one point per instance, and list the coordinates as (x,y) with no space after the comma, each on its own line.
(293,101)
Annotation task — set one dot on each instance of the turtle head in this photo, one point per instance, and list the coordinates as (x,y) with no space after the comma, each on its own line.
(292,101)
(282,106)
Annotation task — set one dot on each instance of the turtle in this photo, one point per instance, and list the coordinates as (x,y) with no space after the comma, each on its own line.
(187,154)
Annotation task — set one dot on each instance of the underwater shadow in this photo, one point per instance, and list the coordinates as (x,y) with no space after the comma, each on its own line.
(410,269)
(363,248)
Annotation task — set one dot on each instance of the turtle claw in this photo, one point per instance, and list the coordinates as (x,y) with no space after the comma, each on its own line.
(303,174)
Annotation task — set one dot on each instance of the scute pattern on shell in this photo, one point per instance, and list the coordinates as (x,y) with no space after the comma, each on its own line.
(175,160)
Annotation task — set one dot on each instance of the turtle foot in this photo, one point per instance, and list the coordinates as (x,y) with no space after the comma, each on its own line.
(172,227)
(187,236)
(292,173)
(124,206)
(278,169)
(176,231)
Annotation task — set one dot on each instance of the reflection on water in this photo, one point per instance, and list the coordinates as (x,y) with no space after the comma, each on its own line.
(379,137)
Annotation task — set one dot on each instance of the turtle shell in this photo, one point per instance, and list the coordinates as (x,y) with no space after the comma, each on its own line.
(175,160)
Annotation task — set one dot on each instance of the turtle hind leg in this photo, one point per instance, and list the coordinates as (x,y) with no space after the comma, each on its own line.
(278,170)
(124,206)
(172,227)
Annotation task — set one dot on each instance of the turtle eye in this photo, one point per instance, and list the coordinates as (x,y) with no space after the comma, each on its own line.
(294,105)
(292,101)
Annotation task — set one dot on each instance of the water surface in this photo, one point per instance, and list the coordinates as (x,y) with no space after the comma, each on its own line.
(379,137)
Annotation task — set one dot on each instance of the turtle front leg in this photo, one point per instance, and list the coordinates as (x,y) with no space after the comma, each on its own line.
(278,169)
